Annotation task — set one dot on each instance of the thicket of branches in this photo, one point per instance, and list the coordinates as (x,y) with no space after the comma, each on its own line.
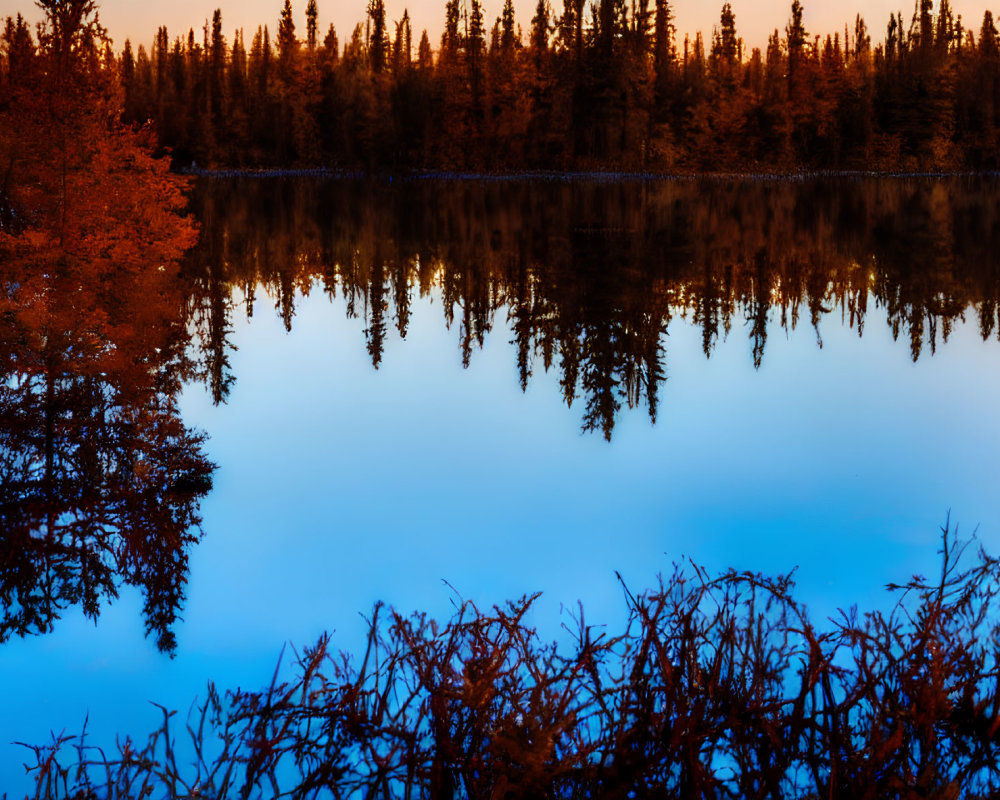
(715,687)
(606,84)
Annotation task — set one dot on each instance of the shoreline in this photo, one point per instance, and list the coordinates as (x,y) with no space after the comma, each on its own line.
(574,176)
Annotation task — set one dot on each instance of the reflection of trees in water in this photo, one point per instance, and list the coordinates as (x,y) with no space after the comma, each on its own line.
(99,485)
(99,478)
(589,275)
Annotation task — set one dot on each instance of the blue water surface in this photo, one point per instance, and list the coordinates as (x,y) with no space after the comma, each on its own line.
(339,485)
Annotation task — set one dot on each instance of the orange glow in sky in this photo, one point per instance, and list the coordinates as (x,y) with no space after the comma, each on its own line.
(755,19)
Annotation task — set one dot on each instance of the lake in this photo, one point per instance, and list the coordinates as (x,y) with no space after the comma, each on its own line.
(426,389)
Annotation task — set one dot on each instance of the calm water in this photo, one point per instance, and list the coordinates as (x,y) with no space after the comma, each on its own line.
(513,386)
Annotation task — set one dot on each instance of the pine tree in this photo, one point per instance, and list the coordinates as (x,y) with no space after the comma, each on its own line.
(640,38)
(312,15)
(944,32)
(728,41)
(331,47)
(130,113)
(378,35)
(540,31)
(402,45)
(663,48)
(507,27)
(475,46)
(287,43)
(988,48)
(926,33)
(451,40)
(425,56)
(19,50)
(795,42)
(217,74)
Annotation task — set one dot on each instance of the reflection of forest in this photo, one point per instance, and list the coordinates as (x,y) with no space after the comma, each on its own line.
(590,274)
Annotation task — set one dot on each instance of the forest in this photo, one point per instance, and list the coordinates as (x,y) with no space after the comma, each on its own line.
(604,86)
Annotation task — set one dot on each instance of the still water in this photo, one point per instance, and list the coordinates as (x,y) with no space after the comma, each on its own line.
(425,389)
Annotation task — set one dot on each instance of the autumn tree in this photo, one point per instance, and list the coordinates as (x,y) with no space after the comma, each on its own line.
(101,479)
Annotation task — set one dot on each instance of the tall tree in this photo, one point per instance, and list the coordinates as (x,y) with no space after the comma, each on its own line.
(795,44)
(507,32)
(331,46)
(474,50)
(101,480)
(451,40)
(217,76)
(312,25)
(540,31)
(287,43)
(402,45)
(378,44)
(663,47)
(425,55)
(726,48)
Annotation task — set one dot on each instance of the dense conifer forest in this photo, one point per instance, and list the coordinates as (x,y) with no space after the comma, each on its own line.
(606,85)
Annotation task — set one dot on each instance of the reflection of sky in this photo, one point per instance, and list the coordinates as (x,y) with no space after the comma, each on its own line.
(339,485)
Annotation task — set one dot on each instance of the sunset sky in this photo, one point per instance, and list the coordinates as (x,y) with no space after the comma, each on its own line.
(755,19)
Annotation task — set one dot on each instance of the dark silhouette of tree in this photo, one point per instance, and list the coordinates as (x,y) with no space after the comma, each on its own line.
(451,40)
(287,43)
(331,47)
(425,56)
(475,50)
(541,126)
(218,101)
(402,45)
(727,46)
(663,47)
(312,25)
(377,35)
(507,36)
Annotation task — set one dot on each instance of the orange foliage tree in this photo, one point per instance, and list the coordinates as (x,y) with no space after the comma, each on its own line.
(100,479)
